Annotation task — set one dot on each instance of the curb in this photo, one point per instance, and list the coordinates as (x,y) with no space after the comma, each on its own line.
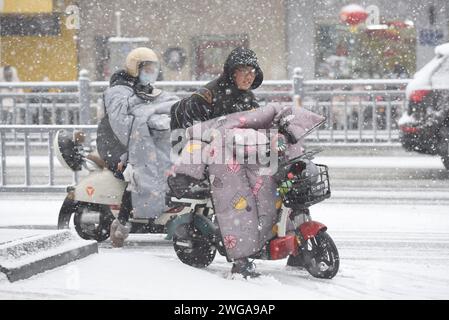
(24,258)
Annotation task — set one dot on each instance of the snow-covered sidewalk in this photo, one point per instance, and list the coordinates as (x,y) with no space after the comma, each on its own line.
(387,251)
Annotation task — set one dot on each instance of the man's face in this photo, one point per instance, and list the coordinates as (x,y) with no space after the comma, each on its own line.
(244,77)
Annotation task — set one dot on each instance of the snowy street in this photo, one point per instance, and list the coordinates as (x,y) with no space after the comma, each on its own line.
(317,131)
(392,233)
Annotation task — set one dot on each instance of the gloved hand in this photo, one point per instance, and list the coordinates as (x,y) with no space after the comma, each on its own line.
(282,121)
(144,91)
(284,130)
(123,161)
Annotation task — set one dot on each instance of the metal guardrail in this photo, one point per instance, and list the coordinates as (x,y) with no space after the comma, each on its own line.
(27,102)
(369,106)
(26,163)
(358,112)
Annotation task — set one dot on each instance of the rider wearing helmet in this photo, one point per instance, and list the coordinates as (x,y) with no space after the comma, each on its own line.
(129,90)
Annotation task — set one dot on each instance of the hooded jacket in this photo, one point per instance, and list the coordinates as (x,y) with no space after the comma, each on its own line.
(220,96)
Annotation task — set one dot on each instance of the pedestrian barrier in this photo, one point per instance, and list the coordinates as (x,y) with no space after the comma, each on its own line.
(358,113)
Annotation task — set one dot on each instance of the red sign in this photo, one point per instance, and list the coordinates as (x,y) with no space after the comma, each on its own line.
(353,14)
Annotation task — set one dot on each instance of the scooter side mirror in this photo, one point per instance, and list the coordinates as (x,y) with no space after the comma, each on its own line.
(66,151)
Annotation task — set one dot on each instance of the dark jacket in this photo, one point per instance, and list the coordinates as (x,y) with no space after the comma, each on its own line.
(109,146)
(220,96)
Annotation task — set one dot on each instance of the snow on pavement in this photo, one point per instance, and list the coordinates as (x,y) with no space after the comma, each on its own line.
(387,251)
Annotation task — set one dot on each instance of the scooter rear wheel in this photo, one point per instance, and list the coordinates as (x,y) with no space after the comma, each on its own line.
(321,256)
(97,228)
(192,247)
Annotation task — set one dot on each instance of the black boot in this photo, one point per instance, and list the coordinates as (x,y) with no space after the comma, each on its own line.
(244,267)
(296,261)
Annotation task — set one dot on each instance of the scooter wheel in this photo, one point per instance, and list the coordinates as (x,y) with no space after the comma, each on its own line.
(68,208)
(321,256)
(192,247)
(93,221)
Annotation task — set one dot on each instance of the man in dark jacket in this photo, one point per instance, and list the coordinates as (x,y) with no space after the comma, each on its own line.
(229,93)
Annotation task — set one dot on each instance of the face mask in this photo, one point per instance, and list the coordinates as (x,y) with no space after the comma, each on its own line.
(147,78)
(148,72)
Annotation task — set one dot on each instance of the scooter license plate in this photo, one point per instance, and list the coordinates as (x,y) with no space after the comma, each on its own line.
(318,187)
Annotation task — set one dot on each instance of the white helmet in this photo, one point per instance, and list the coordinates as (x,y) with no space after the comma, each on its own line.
(136,57)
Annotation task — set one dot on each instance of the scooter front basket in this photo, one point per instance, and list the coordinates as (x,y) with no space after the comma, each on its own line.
(303,192)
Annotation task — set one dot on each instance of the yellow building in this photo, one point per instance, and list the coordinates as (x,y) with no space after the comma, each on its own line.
(37,38)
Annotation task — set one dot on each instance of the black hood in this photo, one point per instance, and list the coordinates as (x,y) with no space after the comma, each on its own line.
(122,78)
(242,56)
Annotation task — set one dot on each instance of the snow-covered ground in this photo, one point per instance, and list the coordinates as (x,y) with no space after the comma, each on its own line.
(390,250)
(388,216)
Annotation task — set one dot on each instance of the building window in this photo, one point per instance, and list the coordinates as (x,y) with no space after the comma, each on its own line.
(30,25)
(210,53)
